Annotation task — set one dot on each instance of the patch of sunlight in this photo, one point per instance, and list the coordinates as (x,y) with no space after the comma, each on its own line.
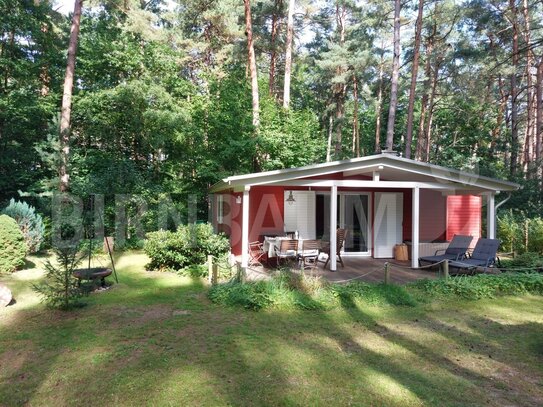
(132,260)
(432,331)
(391,390)
(28,274)
(512,310)
(167,279)
(187,384)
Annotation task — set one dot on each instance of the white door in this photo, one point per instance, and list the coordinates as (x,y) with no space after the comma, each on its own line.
(387,224)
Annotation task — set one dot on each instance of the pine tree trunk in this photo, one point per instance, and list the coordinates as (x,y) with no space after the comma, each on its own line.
(431,103)
(395,77)
(530,107)
(414,72)
(252,64)
(329,144)
(539,119)
(276,19)
(340,88)
(356,129)
(501,113)
(379,109)
(421,146)
(288,54)
(66,108)
(514,93)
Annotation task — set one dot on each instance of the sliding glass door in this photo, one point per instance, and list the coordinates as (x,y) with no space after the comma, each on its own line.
(355,217)
(352,215)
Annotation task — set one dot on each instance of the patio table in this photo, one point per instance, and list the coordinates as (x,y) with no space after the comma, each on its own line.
(271,244)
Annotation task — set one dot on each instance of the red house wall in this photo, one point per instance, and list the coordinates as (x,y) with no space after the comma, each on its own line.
(441,217)
(433,215)
(266,211)
(464,216)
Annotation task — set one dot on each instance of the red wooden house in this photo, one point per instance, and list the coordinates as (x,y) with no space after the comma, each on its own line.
(382,200)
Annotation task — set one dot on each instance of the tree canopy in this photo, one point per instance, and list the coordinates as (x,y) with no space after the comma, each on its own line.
(164,92)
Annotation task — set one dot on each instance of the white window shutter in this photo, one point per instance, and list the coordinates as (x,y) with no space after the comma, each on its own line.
(300,215)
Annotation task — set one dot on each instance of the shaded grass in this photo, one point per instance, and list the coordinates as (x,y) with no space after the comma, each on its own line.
(156,339)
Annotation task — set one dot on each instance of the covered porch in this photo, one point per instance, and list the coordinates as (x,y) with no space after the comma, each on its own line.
(365,269)
(381,200)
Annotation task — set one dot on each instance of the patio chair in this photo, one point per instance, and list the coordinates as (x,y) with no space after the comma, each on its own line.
(484,255)
(256,254)
(340,240)
(288,249)
(309,254)
(455,251)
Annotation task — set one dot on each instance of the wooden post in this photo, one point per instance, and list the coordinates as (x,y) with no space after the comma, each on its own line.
(526,234)
(446,269)
(387,274)
(415,227)
(241,273)
(210,268)
(333,228)
(490,217)
(215,274)
(245,228)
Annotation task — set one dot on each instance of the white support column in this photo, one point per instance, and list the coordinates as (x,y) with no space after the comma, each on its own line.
(415,218)
(490,217)
(245,229)
(333,228)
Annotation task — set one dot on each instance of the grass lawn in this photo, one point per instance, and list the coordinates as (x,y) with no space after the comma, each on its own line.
(156,339)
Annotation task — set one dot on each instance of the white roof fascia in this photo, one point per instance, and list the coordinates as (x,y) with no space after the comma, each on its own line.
(366,184)
(440,173)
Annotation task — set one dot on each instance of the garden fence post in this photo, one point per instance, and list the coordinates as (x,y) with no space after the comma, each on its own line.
(446,269)
(209,268)
(387,274)
(215,274)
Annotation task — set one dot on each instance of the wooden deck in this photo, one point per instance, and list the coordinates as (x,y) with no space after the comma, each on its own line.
(372,271)
(361,269)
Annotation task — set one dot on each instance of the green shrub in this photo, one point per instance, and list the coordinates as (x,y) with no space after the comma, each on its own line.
(374,293)
(520,234)
(289,290)
(187,246)
(535,235)
(483,285)
(30,223)
(252,296)
(528,260)
(12,245)
(509,230)
(293,291)
(60,288)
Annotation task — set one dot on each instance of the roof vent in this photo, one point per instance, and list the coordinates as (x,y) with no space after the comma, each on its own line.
(391,152)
